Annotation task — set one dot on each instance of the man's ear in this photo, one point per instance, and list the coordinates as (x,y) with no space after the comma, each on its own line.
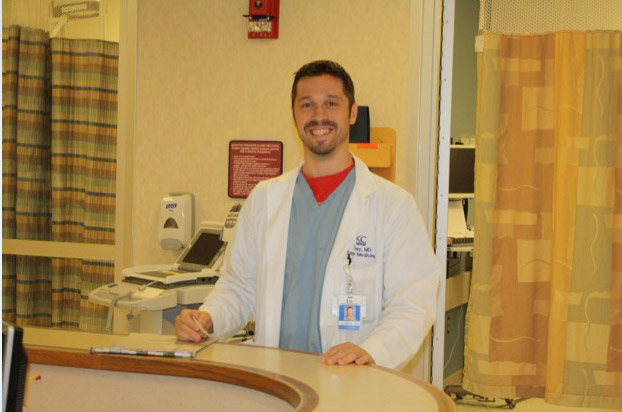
(354,111)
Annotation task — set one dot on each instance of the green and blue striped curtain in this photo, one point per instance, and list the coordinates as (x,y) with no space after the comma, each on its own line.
(59,171)
(26,192)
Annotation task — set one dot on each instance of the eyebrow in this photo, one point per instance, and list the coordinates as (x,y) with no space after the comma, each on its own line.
(330,96)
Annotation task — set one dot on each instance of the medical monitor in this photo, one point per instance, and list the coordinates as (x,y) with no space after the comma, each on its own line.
(461,172)
(203,250)
(14,364)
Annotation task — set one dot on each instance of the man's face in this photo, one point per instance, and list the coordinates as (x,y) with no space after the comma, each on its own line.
(350,312)
(322,114)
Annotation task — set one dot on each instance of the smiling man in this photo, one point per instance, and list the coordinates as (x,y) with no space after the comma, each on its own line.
(323,114)
(322,238)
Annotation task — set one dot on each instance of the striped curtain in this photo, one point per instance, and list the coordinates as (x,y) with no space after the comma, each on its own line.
(26,191)
(83,152)
(59,170)
(545,312)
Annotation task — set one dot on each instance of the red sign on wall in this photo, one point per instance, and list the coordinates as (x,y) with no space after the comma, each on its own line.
(250,162)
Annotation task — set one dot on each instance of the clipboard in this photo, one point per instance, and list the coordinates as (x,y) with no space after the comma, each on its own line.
(149,344)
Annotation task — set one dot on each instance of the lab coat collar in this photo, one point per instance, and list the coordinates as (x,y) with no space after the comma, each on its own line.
(364,178)
(364,182)
(357,208)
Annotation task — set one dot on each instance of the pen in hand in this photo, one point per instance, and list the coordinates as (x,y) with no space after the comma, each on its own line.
(201,328)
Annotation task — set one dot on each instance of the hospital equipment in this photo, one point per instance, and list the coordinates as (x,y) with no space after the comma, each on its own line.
(160,292)
(14,367)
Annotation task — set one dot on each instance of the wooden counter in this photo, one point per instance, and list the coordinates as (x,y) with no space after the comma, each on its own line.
(63,374)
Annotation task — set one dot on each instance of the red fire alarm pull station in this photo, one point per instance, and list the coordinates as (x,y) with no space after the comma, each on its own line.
(263,19)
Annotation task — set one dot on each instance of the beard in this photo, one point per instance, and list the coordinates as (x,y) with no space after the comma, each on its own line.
(323,147)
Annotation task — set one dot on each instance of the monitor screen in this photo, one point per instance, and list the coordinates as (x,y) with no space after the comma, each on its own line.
(204,250)
(14,363)
(461,172)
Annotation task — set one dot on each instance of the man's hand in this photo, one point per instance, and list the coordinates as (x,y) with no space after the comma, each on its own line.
(187,329)
(346,353)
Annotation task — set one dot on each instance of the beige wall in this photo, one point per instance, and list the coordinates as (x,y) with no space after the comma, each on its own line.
(36,14)
(202,83)
(29,13)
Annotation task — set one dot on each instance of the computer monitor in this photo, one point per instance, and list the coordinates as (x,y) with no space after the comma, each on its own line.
(14,365)
(461,172)
(203,251)
(359,131)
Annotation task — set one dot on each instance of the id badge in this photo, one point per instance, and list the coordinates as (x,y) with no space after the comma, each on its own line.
(350,311)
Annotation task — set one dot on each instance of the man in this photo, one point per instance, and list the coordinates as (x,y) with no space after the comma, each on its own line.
(326,235)
(349,313)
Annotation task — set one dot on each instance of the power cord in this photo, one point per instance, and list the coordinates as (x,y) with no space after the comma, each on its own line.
(114,301)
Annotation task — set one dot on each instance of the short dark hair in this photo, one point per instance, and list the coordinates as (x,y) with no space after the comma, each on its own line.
(321,67)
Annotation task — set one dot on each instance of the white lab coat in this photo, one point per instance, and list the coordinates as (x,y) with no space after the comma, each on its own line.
(393,265)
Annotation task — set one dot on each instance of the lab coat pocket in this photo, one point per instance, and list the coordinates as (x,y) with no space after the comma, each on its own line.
(366,283)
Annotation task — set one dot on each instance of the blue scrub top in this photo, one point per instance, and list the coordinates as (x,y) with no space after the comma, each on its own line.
(312,231)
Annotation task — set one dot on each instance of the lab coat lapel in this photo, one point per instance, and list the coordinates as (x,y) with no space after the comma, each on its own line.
(356,210)
(278,205)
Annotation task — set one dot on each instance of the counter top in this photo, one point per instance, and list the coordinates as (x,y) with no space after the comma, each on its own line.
(295,377)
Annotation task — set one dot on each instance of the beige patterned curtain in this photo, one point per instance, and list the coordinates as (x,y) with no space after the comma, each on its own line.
(78,128)
(83,152)
(545,313)
(26,190)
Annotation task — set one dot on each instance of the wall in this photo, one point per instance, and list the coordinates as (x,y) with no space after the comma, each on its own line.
(464,81)
(28,13)
(36,14)
(202,83)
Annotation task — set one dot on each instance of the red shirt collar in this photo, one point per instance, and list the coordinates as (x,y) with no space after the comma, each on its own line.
(323,186)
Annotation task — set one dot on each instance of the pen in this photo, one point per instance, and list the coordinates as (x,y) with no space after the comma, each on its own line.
(201,329)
